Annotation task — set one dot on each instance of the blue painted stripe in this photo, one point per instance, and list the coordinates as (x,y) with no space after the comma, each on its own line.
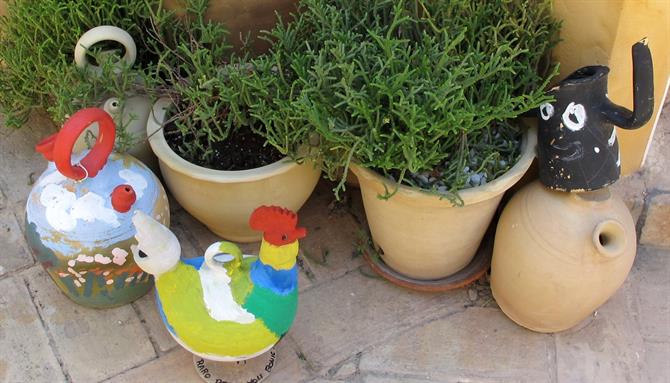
(162,313)
(281,282)
(195,262)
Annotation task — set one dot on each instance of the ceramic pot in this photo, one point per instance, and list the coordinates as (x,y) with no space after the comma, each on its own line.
(559,256)
(78,217)
(577,143)
(425,237)
(224,200)
(244,17)
(134,112)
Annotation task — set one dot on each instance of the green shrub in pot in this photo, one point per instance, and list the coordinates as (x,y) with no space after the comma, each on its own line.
(217,127)
(37,43)
(420,99)
(413,87)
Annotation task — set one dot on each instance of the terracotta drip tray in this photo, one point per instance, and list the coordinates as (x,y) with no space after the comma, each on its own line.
(470,273)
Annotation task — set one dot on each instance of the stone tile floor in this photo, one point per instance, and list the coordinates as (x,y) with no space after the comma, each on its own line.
(351,326)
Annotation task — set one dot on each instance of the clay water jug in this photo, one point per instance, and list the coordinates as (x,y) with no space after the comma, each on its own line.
(78,217)
(559,256)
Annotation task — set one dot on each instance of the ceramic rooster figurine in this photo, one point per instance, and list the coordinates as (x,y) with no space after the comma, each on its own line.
(225,306)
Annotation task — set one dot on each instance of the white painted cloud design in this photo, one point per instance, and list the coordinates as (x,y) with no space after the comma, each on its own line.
(63,208)
(136,180)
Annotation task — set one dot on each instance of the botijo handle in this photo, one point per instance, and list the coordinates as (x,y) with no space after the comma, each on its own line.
(104,33)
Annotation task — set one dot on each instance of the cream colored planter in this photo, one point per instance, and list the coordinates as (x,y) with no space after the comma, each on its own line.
(425,237)
(224,200)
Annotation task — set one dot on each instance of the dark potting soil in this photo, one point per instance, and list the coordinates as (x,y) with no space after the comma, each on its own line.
(242,150)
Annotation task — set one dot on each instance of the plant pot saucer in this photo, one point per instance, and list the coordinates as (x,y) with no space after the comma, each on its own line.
(467,275)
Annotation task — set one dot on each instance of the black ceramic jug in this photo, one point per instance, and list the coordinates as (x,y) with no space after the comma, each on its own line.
(577,143)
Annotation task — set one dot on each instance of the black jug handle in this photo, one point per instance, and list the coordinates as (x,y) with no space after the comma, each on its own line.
(643,92)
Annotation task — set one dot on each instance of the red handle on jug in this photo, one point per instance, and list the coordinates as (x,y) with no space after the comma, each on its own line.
(58,147)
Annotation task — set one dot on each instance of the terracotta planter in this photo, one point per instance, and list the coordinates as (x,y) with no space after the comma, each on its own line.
(425,237)
(242,17)
(559,256)
(224,200)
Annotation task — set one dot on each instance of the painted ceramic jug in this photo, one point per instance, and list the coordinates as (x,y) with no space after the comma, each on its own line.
(226,306)
(78,217)
(559,256)
(577,144)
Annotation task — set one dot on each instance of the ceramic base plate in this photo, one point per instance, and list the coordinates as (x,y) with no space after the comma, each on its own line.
(470,273)
(248,371)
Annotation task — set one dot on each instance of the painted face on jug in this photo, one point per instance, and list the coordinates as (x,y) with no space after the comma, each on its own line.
(577,150)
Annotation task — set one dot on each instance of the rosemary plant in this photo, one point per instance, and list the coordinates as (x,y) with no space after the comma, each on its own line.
(219,95)
(415,88)
(37,42)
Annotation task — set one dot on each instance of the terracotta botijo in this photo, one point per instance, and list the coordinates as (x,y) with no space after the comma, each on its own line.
(78,217)
(225,306)
(565,244)
(559,256)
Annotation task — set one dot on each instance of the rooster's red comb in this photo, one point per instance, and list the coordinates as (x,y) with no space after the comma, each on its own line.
(279,225)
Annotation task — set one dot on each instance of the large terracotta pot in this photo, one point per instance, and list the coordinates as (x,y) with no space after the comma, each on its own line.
(559,256)
(243,17)
(425,237)
(224,200)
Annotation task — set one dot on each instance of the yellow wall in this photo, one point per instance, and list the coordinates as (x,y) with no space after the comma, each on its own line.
(602,32)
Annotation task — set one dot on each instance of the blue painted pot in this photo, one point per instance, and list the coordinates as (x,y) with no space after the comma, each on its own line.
(82,238)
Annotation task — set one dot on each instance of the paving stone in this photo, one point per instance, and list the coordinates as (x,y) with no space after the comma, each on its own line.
(403,379)
(25,354)
(346,371)
(3,199)
(153,322)
(332,236)
(656,229)
(453,348)
(290,367)
(14,253)
(657,361)
(632,189)
(338,319)
(651,281)
(18,155)
(175,366)
(93,344)
(657,162)
(609,349)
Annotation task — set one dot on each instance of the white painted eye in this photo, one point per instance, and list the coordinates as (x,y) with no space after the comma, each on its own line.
(546,111)
(574,116)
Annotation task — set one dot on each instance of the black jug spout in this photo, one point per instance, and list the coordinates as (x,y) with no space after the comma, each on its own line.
(643,92)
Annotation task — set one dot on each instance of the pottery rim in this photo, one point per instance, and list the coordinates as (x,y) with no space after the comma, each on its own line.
(163,151)
(471,195)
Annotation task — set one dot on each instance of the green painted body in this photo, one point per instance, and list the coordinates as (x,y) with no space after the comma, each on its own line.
(276,311)
(180,293)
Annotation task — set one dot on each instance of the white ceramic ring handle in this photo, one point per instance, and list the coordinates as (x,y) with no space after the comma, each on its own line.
(104,33)
(609,238)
